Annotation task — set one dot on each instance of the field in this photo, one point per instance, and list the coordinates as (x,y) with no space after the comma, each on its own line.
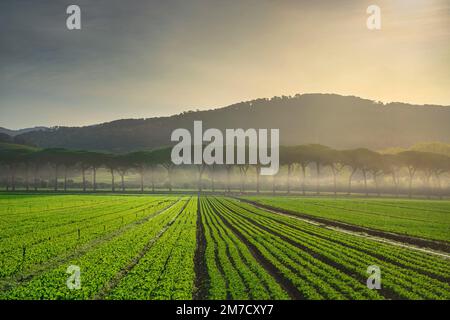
(421,218)
(215,247)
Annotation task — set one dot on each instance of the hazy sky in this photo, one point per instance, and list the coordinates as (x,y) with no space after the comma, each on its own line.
(142,58)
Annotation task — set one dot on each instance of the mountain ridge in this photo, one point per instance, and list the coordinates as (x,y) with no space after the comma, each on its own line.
(13,133)
(331,119)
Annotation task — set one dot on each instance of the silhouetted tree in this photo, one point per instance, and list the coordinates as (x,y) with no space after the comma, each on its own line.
(162,156)
(412,160)
(288,159)
(303,157)
(319,155)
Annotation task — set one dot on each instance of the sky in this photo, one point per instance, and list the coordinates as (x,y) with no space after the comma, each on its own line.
(145,58)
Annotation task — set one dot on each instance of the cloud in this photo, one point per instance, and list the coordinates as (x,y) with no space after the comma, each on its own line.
(142,58)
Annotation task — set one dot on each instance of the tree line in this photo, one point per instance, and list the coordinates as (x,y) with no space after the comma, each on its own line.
(27,162)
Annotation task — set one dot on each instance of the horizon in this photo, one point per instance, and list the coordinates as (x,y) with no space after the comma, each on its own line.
(156,59)
(210,109)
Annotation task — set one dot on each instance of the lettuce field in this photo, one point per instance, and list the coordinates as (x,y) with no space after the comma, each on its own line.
(149,247)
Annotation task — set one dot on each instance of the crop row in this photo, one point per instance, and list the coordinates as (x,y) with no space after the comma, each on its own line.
(234,272)
(98,266)
(17,255)
(422,262)
(400,281)
(166,270)
(408,221)
(312,278)
(34,249)
(61,219)
(15,210)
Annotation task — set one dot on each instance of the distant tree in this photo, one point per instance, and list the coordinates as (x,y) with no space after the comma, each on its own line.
(433,164)
(258,174)
(12,156)
(412,160)
(200,170)
(288,159)
(336,161)
(376,167)
(111,163)
(229,169)
(212,171)
(391,166)
(162,156)
(441,165)
(243,169)
(84,160)
(361,159)
(36,163)
(303,156)
(140,161)
(96,160)
(124,163)
(61,158)
(319,154)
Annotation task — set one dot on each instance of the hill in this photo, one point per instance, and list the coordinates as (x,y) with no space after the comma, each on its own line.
(13,133)
(14,146)
(329,119)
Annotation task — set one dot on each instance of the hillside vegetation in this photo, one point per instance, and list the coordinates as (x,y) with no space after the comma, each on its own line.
(333,120)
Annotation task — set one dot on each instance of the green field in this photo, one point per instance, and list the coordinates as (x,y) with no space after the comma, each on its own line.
(185,247)
(422,218)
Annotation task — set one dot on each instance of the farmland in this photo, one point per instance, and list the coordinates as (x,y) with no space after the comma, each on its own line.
(421,218)
(214,247)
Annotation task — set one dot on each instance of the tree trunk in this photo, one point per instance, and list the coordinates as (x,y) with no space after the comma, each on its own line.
(200,169)
(27,180)
(241,182)
(83,172)
(411,177)
(273,185)
(65,178)
(56,177)
(333,169)
(213,178)
(35,179)
(258,171)
(243,170)
(169,176)
(410,187)
(438,178)
(350,181)
(428,185)
(289,178)
(13,178)
(113,184)
(122,181)
(141,172)
(376,184)
(364,172)
(318,179)
(50,177)
(395,181)
(94,178)
(228,179)
(153,179)
(303,178)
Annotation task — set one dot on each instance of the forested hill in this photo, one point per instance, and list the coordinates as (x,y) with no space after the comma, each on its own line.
(13,133)
(333,120)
